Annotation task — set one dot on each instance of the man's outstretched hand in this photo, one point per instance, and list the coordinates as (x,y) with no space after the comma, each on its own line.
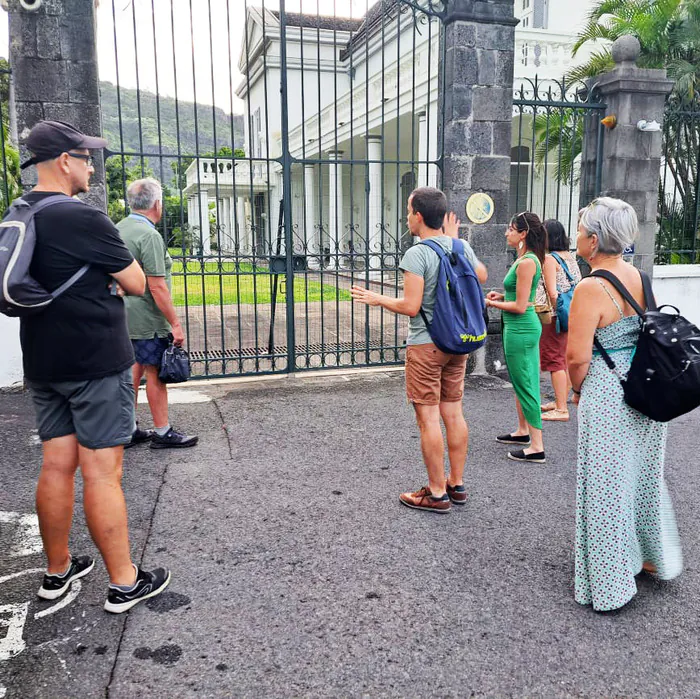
(362,295)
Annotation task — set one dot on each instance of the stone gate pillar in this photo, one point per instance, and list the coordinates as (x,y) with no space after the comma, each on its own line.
(631,156)
(54,69)
(478,114)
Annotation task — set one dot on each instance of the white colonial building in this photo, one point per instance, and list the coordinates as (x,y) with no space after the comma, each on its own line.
(362,126)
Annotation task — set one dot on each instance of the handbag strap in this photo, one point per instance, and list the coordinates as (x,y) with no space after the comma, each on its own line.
(564,266)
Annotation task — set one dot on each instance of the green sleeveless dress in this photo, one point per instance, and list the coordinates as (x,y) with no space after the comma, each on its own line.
(521,343)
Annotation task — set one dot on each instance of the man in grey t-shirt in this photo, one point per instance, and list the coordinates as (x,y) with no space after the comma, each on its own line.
(434,379)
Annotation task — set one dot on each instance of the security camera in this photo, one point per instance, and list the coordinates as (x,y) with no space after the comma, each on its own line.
(31,5)
(651,126)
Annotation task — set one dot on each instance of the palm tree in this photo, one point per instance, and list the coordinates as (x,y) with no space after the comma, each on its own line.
(669,35)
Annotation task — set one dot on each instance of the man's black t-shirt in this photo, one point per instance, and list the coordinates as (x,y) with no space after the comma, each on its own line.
(82,334)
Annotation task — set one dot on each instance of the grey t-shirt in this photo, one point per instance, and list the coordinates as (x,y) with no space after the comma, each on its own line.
(424,261)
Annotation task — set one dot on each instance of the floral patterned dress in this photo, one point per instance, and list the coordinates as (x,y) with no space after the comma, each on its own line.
(624,514)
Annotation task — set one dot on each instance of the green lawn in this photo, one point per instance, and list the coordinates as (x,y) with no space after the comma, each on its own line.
(232,284)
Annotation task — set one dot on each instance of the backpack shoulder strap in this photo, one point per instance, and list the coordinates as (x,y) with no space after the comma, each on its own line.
(609,276)
(564,266)
(434,246)
(649,299)
(50,201)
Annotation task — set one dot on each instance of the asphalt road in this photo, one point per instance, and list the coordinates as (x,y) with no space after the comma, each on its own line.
(297,573)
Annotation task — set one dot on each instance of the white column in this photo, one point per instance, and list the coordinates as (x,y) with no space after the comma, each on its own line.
(312,242)
(432,143)
(193,218)
(374,240)
(203,222)
(422,150)
(335,208)
(242,234)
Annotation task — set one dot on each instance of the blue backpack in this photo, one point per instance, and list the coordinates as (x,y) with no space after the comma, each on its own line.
(564,298)
(458,325)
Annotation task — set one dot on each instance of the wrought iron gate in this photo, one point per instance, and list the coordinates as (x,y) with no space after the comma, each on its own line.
(272,216)
(551,121)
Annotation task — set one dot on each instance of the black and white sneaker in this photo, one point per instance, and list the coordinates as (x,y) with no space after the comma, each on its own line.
(54,586)
(148,584)
(139,437)
(172,439)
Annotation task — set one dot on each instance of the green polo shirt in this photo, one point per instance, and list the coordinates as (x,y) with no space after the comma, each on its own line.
(146,245)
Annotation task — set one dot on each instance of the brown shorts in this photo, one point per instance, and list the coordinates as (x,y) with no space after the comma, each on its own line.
(433,377)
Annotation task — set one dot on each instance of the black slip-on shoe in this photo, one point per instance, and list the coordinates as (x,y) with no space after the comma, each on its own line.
(172,439)
(523,439)
(54,586)
(148,584)
(534,458)
(139,437)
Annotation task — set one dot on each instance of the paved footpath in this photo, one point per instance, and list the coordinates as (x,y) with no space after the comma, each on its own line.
(297,573)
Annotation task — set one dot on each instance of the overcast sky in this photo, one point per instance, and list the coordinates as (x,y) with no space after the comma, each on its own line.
(200,42)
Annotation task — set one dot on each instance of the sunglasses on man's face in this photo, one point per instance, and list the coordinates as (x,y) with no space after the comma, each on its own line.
(81,156)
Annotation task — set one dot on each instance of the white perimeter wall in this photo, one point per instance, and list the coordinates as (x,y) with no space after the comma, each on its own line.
(679,285)
(10,352)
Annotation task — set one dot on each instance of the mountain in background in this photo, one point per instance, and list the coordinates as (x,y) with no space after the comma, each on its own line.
(141,108)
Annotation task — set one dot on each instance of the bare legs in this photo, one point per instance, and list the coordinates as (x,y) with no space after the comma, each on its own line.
(536,442)
(156,392)
(432,446)
(560,383)
(105,508)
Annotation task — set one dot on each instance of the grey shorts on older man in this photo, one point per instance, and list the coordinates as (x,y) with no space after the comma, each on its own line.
(100,412)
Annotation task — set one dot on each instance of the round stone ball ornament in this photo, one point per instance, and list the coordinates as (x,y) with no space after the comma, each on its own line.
(480,207)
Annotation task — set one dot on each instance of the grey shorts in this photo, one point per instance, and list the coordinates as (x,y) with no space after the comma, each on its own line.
(100,412)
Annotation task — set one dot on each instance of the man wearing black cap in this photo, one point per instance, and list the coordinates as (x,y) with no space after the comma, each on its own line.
(77,361)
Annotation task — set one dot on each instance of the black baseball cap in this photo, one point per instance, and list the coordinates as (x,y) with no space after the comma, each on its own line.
(48,139)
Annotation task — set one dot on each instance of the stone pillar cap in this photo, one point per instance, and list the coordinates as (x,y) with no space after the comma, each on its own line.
(626,49)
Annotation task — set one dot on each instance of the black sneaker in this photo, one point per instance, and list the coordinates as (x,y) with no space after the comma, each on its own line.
(534,458)
(172,440)
(148,584)
(514,439)
(139,437)
(55,585)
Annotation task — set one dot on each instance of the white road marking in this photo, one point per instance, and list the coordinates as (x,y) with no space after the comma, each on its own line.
(179,395)
(27,539)
(29,571)
(12,617)
(75,588)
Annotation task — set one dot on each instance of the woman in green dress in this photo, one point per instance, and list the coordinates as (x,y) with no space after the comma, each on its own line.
(521,333)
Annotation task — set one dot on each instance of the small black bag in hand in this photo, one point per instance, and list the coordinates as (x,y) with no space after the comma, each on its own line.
(664,378)
(175,364)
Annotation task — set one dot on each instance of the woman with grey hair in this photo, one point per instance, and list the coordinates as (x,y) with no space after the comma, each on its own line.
(624,516)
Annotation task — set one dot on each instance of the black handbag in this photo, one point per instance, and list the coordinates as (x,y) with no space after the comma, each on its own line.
(664,378)
(175,365)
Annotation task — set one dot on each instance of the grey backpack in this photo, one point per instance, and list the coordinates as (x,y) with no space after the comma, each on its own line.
(20,294)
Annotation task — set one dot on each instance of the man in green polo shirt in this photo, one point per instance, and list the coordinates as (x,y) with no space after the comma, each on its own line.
(151,317)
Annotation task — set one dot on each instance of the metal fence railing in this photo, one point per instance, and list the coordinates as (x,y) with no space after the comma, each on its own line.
(550,120)
(9,155)
(288,157)
(678,237)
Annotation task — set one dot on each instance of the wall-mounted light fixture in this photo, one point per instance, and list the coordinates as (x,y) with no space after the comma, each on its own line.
(610,122)
(651,126)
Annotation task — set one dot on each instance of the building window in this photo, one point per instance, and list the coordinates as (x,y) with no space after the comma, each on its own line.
(526,21)
(526,4)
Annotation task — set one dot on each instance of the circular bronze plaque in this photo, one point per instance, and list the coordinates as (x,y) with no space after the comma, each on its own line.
(480,207)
